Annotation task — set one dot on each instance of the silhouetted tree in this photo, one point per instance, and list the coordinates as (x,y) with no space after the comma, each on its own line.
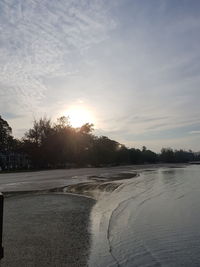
(123,155)
(167,155)
(135,156)
(58,145)
(6,138)
(37,142)
(177,156)
(104,150)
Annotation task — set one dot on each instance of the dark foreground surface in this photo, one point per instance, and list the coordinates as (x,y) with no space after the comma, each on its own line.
(46,230)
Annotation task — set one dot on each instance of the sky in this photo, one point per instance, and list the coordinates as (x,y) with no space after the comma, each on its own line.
(131,66)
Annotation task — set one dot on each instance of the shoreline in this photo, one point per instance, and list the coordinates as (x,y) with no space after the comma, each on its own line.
(50,180)
(92,182)
(137,166)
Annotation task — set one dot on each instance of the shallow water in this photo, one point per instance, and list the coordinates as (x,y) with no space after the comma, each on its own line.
(151,220)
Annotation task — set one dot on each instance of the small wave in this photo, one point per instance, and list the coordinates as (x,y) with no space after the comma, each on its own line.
(114,177)
(92,189)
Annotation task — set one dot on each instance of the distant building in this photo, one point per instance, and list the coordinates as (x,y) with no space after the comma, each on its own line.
(12,160)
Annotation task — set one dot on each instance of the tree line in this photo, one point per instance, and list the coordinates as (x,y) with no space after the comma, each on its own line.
(59,145)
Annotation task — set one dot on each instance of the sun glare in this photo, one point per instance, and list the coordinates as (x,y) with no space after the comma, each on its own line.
(79,116)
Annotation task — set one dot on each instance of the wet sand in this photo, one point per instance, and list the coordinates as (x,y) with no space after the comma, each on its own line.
(45,180)
(46,230)
(51,229)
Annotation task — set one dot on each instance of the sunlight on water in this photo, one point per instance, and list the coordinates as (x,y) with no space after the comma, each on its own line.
(152,220)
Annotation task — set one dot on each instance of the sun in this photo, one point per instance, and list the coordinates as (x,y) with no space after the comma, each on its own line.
(79,116)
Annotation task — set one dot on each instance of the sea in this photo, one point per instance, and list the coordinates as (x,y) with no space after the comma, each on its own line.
(150,220)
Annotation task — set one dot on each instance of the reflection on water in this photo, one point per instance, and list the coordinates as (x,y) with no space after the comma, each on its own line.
(152,220)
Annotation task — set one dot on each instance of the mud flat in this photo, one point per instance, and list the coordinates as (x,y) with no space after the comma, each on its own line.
(50,227)
(46,230)
(44,225)
(45,180)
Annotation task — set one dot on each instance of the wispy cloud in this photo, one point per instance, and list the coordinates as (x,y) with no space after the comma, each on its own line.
(38,40)
(194,132)
(135,62)
(9,115)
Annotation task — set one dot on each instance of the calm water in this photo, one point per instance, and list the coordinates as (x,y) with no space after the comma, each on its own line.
(152,220)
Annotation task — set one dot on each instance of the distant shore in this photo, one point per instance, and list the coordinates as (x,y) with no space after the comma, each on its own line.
(137,166)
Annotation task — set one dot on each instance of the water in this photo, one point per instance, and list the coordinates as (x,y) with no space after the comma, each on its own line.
(151,220)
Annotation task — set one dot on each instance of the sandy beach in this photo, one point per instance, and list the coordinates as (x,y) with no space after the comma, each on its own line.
(46,230)
(49,227)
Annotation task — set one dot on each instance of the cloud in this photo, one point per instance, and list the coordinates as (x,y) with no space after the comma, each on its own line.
(39,39)
(194,132)
(9,115)
(136,63)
